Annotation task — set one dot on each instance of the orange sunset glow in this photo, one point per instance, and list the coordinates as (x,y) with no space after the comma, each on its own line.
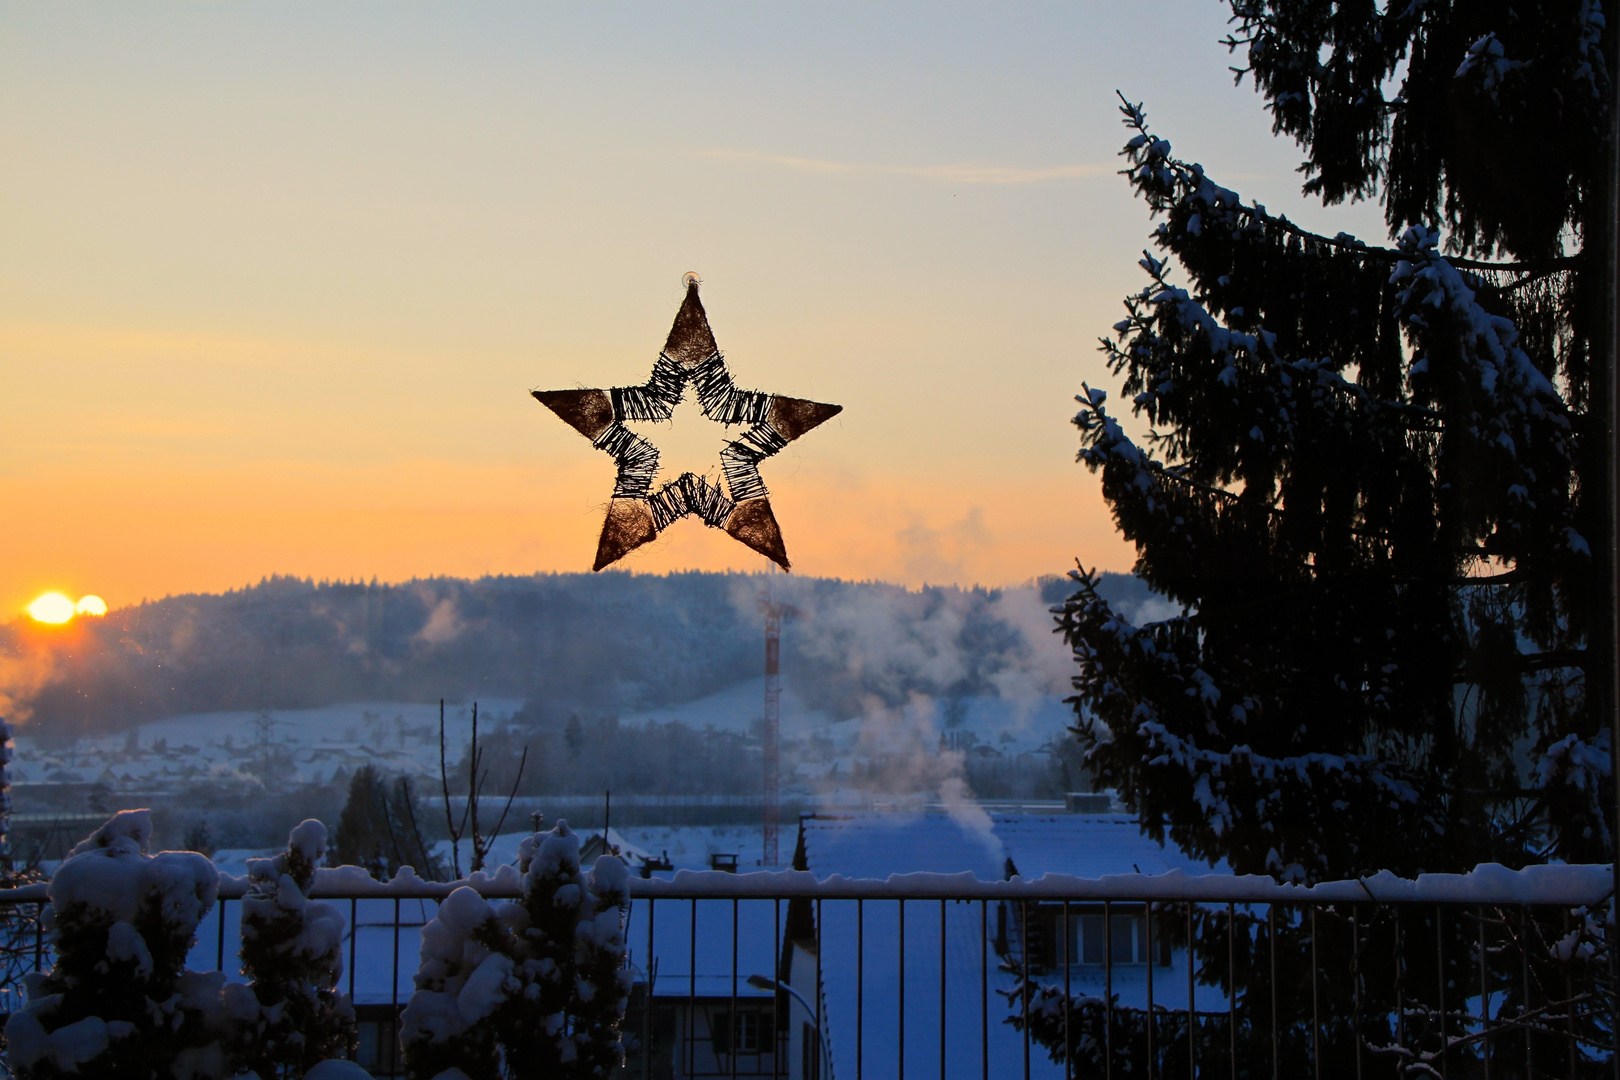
(274,311)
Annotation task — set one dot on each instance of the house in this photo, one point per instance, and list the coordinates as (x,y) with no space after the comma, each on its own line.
(952,953)
(693,962)
(695,1013)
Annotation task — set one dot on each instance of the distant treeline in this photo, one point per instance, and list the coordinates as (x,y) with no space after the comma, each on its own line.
(599,644)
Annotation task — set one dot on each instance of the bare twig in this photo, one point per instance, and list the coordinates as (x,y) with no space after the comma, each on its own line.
(474,786)
(522,761)
(449,818)
(427,867)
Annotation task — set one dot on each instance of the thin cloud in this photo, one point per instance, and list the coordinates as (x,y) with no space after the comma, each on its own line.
(953,174)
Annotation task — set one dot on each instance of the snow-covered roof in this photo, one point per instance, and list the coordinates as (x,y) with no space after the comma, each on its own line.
(1088,846)
(875,845)
(673,945)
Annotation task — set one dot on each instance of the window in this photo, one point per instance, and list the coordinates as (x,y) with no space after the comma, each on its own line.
(1084,943)
(751,1034)
(745,1039)
(809,1052)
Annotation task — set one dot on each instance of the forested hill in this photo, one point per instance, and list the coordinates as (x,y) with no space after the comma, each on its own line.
(605,642)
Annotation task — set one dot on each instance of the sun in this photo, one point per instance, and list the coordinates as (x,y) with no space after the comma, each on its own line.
(91,605)
(53,607)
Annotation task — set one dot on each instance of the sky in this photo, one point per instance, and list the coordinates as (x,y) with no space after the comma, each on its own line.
(276,279)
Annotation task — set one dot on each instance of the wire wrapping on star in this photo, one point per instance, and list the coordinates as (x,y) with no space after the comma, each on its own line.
(689,358)
(691,494)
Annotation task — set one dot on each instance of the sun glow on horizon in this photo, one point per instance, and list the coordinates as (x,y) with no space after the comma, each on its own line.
(55,608)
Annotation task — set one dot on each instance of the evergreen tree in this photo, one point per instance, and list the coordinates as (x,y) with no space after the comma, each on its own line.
(118,1002)
(292,950)
(377,828)
(1374,476)
(362,836)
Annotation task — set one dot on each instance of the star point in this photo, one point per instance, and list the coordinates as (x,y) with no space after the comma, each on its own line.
(636,513)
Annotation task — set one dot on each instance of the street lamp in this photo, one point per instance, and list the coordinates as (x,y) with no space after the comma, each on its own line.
(764,982)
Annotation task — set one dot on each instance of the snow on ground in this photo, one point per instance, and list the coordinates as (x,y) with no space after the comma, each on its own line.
(286,745)
(736,708)
(1011,725)
(300,746)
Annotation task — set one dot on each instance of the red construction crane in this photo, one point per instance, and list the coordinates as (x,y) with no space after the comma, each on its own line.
(772,735)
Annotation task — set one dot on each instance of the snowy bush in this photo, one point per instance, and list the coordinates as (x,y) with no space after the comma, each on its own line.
(527,989)
(292,950)
(118,1001)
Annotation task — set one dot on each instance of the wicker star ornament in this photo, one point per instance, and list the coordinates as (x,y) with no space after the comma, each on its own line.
(690,358)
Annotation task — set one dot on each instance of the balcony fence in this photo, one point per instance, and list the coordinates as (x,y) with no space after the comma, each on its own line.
(1490,975)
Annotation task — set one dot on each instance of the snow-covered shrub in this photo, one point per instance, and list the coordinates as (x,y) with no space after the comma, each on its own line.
(292,950)
(118,1001)
(529,989)
(469,945)
(576,929)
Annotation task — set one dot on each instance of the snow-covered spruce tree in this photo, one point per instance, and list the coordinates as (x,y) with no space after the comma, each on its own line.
(118,1002)
(576,938)
(529,989)
(292,951)
(1374,478)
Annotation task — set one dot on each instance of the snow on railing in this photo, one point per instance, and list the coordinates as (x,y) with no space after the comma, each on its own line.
(1574,885)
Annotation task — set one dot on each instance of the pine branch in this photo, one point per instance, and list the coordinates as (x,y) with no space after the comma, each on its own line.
(1136,119)
(1541,661)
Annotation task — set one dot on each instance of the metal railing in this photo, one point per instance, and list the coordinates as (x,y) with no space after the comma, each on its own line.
(784,975)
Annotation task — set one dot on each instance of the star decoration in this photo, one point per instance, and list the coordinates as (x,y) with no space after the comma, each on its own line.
(637,513)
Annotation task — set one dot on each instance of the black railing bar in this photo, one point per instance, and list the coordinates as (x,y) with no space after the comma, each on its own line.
(900,1042)
(1440,958)
(691,996)
(1068,994)
(219,961)
(984,989)
(1147,927)
(1108,990)
(1355,981)
(731,1024)
(1524,962)
(1271,953)
(647,998)
(778,997)
(383,925)
(1316,1011)
(1023,938)
(1231,984)
(354,928)
(393,983)
(1192,1004)
(1484,1000)
(823,1045)
(1569,1016)
(1400,980)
